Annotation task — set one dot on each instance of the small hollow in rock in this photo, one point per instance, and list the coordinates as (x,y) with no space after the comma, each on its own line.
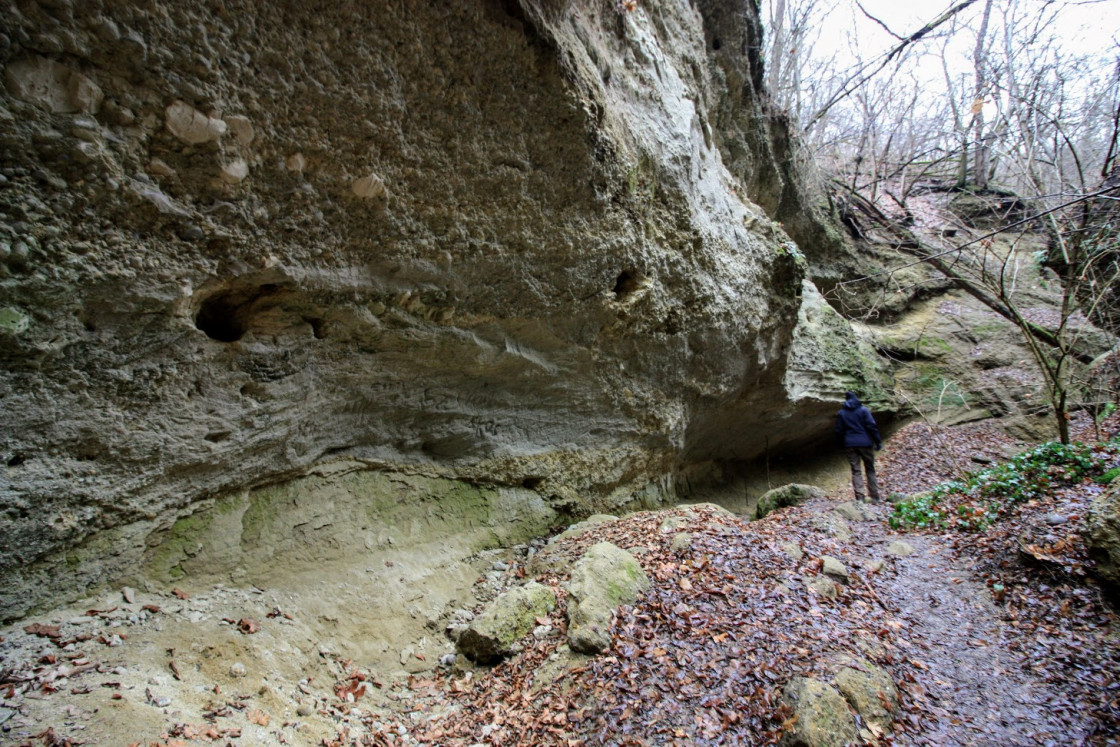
(627,282)
(225,315)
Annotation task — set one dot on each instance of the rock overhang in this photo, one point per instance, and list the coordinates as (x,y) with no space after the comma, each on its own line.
(483,255)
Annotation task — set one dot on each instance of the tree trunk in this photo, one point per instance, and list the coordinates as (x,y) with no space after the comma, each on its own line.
(1062,414)
(980,92)
(776,63)
(962,165)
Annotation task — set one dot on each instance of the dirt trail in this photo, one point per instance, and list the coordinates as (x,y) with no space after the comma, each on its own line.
(974,689)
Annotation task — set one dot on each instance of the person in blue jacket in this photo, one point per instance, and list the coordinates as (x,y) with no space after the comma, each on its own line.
(856,426)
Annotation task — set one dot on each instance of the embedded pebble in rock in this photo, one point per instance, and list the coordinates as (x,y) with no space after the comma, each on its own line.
(192,126)
(52,85)
(235,171)
(237,669)
(242,128)
(158,167)
(192,233)
(296,162)
(370,187)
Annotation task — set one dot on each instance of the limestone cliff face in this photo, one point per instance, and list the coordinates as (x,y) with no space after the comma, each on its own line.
(487,241)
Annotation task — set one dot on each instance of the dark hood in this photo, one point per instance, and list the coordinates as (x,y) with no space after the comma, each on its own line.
(851,401)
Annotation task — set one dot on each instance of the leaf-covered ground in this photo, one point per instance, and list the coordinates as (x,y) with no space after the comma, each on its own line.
(1054,621)
(988,644)
(700,660)
(993,637)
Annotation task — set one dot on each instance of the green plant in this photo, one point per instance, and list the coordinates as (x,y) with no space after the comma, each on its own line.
(982,497)
(922,511)
(1107,477)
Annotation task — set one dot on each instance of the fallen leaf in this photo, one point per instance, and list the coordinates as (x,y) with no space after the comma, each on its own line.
(43,631)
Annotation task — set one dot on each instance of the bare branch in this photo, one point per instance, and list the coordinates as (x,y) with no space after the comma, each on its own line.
(858,78)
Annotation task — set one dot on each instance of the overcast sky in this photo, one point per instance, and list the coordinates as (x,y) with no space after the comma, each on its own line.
(842,35)
(1086,25)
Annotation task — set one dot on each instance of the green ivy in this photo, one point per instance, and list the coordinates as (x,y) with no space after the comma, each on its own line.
(982,497)
(920,512)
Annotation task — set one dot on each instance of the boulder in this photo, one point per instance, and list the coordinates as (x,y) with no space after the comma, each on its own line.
(492,634)
(824,586)
(900,548)
(681,541)
(834,525)
(604,578)
(823,718)
(832,567)
(851,511)
(672,524)
(580,527)
(870,690)
(787,495)
(692,510)
(1104,535)
(556,557)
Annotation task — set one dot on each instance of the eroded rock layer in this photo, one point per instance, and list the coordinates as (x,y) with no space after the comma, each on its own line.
(485,241)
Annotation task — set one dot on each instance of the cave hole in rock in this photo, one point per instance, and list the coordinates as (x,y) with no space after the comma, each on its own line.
(16,460)
(627,283)
(225,315)
(318,327)
(532,483)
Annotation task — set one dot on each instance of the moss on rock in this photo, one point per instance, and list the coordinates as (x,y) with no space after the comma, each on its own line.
(793,494)
(870,690)
(823,717)
(604,578)
(492,635)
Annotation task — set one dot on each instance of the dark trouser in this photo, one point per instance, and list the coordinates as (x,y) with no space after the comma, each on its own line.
(866,455)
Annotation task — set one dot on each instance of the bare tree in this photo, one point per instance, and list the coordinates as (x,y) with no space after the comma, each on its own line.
(979,96)
(1020,113)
